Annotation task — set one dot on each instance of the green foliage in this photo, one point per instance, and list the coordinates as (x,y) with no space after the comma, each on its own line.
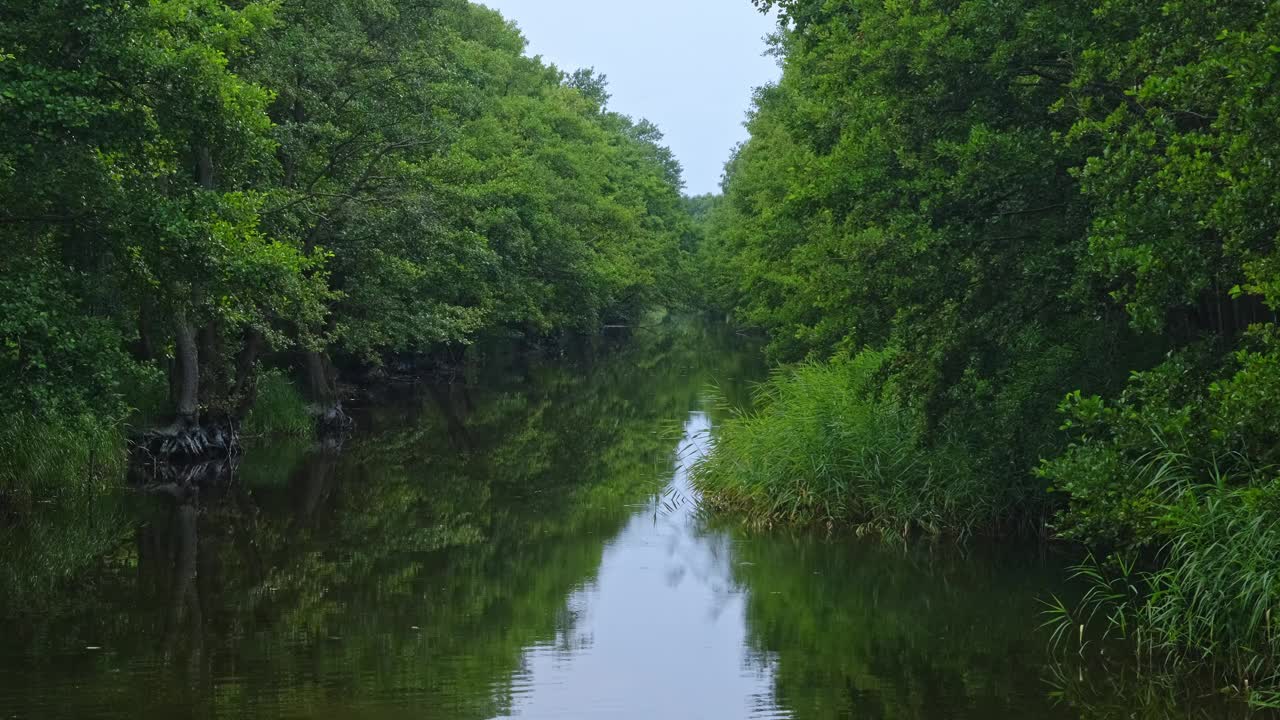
(57,354)
(71,457)
(1216,593)
(1174,429)
(1032,200)
(145,388)
(906,185)
(829,445)
(280,409)
(459,186)
(357,178)
(1209,602)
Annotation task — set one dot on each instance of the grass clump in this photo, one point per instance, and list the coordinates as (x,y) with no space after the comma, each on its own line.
(57,458)
(1212,600)
(280,408)
(829,445)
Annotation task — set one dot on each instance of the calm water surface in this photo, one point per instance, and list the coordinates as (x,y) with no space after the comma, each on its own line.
(523,544)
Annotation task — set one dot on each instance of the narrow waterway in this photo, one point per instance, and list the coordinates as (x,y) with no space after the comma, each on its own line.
(662,584)
(524,543)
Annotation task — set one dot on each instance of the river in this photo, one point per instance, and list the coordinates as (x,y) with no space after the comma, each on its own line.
(523,542)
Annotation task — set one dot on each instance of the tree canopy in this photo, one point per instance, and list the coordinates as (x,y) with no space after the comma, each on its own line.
(1046,234)
(201,186)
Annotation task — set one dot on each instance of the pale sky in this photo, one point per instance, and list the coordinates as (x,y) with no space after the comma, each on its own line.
(689,66)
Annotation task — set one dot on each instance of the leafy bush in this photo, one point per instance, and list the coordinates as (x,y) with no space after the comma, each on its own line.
(829,445)
(1173,430)
(145,388)
(1180,469)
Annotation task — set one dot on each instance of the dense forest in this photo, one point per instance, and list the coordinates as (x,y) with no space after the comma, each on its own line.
(199,195)
(1026,256)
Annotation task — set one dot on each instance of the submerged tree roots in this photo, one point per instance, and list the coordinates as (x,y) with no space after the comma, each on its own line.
(178,444)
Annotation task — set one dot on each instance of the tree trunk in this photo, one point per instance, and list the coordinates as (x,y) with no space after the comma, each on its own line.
(215,385)
(246,380)
(204,167)
(322,387)
(187,409)
(186,440)
(287,160)
(145,349)
(185,616)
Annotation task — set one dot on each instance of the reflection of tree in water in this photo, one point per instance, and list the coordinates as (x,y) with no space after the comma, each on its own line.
(859,630)
(855,629)
(412,566)
(185,619)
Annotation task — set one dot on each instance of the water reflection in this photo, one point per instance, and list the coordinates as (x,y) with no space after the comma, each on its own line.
(660,632)
(504,546)
(405,574)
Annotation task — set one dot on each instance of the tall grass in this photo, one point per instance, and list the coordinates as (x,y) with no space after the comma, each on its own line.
(280,408)
(50,459)
(828,446)
(1213,600)
(1216,595)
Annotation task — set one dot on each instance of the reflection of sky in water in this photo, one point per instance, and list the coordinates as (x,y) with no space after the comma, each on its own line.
(661,632)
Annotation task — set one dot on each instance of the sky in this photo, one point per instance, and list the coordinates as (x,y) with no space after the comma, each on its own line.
(688,66)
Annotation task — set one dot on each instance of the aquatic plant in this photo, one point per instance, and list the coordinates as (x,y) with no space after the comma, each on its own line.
(1208,604)
(829,445)
(51,459)
(280,408)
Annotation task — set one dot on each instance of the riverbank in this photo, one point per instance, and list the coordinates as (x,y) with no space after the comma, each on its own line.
(55,459)
(832,446)
(57,456)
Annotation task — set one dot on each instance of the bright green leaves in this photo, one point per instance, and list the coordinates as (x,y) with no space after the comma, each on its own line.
(367,178)
(106,109)
(459,186)
(998,189)
(905,184)
(1180,185)
(1030,199)
(1178,109)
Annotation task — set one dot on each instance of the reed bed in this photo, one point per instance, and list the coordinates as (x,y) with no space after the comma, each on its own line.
(828,445)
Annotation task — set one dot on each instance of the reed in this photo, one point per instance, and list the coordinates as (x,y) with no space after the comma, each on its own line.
(829,446)
(279,409)
(56,459)
(1206,605)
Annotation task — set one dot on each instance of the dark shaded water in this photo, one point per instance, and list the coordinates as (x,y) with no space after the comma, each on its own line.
(523,544)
